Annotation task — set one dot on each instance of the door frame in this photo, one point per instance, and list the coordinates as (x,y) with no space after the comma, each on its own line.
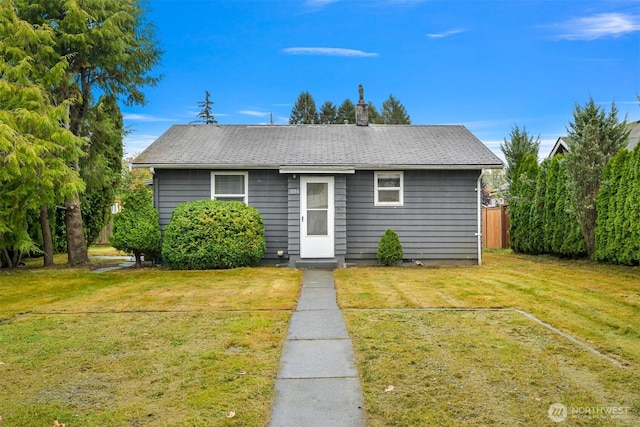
(317,246)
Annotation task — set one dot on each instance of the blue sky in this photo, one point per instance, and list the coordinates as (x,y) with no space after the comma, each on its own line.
(488,65)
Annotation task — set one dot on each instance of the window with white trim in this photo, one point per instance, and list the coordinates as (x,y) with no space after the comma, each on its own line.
(230,186)
(388,188)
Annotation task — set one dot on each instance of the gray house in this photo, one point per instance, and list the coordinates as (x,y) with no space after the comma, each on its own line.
(327,193)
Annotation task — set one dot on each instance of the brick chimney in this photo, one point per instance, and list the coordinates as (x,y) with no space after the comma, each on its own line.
(362,109)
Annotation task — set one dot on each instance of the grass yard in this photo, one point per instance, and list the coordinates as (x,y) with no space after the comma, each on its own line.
(141,347)
(484,367)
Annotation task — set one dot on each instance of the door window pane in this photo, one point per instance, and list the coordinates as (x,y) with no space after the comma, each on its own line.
(317,223)
(317,195)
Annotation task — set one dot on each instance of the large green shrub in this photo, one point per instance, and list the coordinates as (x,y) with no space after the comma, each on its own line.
(389,248)
(136,229)
(212,234)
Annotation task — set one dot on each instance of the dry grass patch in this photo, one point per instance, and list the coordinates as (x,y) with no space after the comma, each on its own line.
(466,351)
(479,368)
(142,347)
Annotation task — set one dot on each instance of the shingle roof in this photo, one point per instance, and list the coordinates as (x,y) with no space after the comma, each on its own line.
(359,147)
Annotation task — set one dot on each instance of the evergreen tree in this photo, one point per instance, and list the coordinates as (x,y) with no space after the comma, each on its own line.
(101,167)
(522,194)
(304,110)
(610,204)
(520,144)
(394,113)
(568,238)
(35,146)
(206,114)
(111,48)
(594,137)
(136,229)
(346,112)
(374,115)
(629,240)
(328,113)
(536,216)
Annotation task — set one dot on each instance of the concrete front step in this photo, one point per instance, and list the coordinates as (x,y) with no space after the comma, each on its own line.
(317,263)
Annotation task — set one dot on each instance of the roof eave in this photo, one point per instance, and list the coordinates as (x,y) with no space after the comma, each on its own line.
(314,168)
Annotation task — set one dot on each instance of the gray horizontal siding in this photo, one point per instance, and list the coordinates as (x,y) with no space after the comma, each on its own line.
(294,214)
(176,186)
(267,193)
(438,220)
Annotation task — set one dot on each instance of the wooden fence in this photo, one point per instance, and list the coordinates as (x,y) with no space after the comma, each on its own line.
(107,231)
(495,224)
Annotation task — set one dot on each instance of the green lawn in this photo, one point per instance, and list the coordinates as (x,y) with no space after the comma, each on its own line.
(142,347)
(153,347)
(482,367)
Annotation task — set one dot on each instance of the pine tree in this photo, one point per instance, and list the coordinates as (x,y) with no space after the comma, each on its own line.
(328,113)
(374,116)
(520,144)
(304,110)
(394,113)
(346,112)
(206,114)
(594,137)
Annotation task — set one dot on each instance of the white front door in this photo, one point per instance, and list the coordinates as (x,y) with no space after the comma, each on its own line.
(316,217)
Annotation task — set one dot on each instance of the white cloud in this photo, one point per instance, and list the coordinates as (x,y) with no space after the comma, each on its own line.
(254,113)
(320,3)
(327,51)
(598,26)
(145,118)
(445,33)
(135,144)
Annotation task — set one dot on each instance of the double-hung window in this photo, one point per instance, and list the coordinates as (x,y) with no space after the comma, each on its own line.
(388,188)
(229,186)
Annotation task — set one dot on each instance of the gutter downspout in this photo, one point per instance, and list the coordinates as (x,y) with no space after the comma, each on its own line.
(479,233)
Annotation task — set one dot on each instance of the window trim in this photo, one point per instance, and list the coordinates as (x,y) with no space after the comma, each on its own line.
(376,189)
(245,174)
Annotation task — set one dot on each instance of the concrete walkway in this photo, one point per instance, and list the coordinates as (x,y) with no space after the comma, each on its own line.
(318,383)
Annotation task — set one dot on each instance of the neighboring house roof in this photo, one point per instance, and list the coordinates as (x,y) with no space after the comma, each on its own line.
(321,146)
(634,135)
(562,146)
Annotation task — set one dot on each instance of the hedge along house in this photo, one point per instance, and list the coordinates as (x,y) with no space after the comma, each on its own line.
(327,193)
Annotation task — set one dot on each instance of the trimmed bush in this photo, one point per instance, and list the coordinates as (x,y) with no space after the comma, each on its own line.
(212,234)
(136,229)
(389,248)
